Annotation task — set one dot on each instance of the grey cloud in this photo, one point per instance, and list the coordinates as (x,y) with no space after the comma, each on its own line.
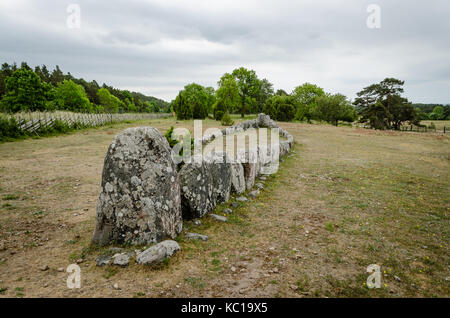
(159,46)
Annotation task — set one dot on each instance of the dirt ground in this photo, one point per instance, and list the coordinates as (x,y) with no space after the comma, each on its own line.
(346,198)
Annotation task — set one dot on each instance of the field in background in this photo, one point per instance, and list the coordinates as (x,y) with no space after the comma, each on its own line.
(346,198)
(440,124)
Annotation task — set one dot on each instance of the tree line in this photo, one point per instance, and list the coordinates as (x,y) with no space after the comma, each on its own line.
(25,89)
(242,92)
(434,111)
(380,105)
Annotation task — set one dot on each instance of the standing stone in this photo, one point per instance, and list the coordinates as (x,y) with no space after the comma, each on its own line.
(237,178)
(249,174)
(139,200)
(196,184)
(263,120)
(284,148)
(249,160)
(220,167)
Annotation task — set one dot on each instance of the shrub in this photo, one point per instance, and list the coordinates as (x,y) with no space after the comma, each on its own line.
(226,120)
(219,110)
(172,142)
(9,128)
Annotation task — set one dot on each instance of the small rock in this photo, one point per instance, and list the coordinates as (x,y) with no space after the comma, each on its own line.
(2,246)
(80,260)
(114,250)
(45,285)
(157,253)
(60,269)
(242,199)
(227,211)
(263,178)
(397,278)
(196,236)
(259,186)
(44,268)
(253,194)
(235,204)
(293,287)
(103,260)
(121,259)
(219,218)
(275,270)
(233,269)
(116,286)
(198,222)
(12,252)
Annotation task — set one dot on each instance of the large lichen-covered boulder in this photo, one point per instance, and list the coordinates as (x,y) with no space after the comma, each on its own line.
(197,186)
(139,200)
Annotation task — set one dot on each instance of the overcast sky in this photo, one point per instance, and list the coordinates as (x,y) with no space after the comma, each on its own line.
(158,46)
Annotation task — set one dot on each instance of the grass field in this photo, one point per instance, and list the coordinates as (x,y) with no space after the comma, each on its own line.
(346,198)
(439,124)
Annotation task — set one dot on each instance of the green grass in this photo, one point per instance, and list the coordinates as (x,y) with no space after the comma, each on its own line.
(10,197)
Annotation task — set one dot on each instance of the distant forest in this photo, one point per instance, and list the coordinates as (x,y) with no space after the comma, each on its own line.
(25,89)
(428,108)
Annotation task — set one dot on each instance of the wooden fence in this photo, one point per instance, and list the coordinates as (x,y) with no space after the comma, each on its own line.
(33,122)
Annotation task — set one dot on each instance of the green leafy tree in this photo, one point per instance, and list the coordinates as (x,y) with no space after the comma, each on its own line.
(305,96)
(227,96)
(109,102)
(281,92)
(71,96)
(25,92)
(182,109)
(248,88)
(211,99)
(265,92)
(382,106)
(219,109)
(332,108)
(438,113)
(191,102)
(280,107)
(57,76)
(270,108)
